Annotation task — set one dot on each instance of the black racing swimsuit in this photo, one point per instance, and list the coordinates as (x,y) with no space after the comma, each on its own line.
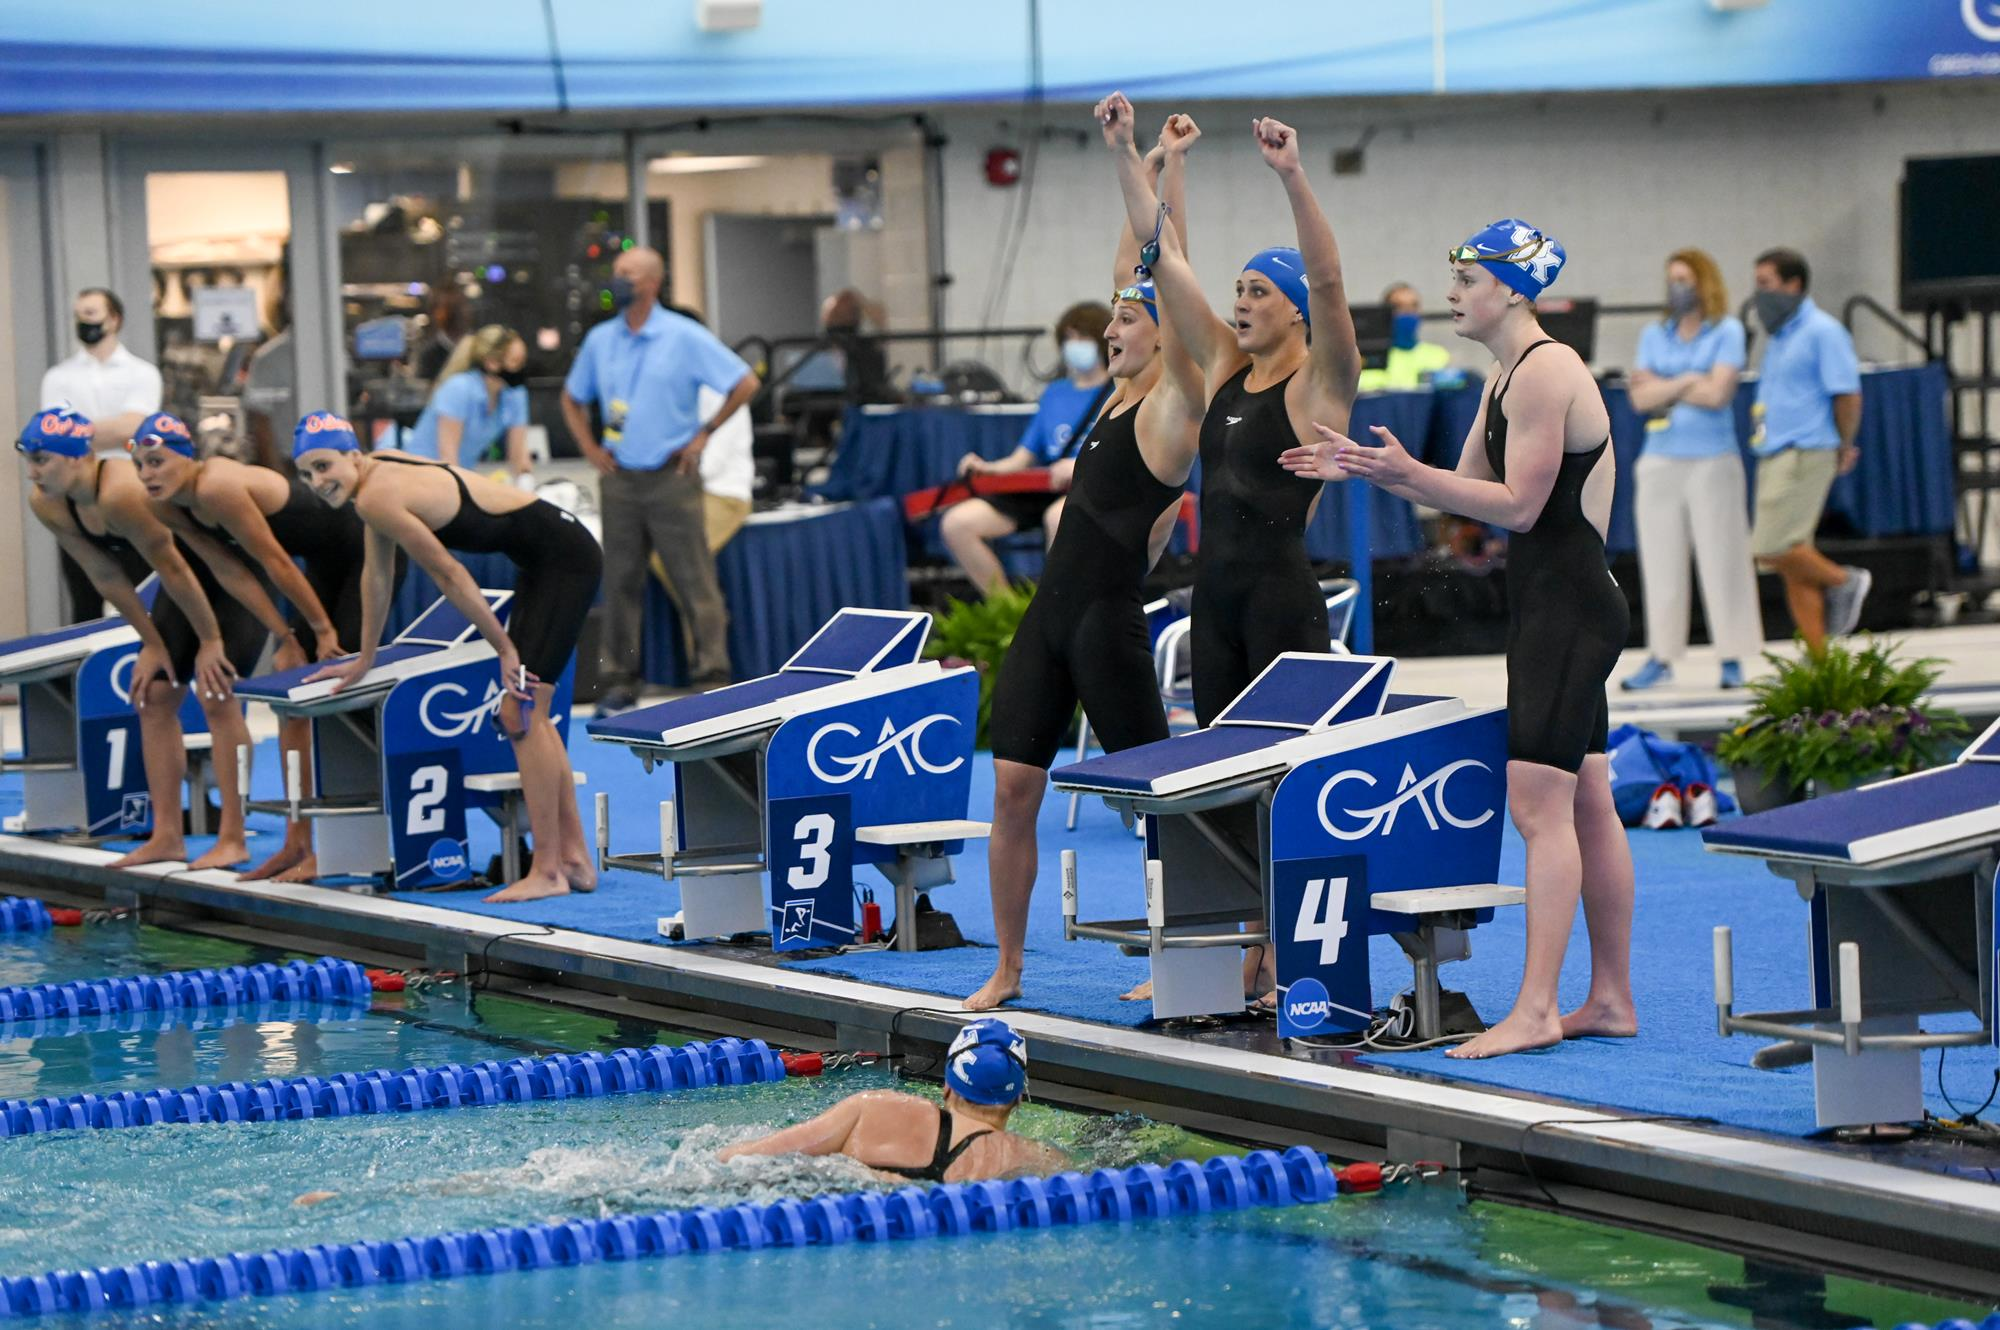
(557,563)
(243,637)
(1566,618)
(945,1154)
(1084,637)
(1254,590)
(332,543)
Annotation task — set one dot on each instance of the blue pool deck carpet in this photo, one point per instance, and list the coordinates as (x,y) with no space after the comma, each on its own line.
(1677,1064)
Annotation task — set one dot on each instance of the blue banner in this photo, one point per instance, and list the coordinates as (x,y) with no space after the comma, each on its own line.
(423,794)
(373,55)
(811,859)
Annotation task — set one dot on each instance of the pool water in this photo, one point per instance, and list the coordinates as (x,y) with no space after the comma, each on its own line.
(1420,1257)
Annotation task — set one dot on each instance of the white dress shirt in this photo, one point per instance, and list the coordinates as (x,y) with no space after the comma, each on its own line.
(727,468)
(101,389)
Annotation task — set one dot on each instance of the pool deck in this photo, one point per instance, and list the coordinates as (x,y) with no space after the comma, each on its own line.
(1747,1190)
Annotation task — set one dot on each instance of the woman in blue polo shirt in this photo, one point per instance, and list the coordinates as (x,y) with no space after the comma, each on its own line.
(480,399)
(1691,498)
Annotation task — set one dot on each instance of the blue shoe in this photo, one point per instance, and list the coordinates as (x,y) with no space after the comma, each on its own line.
(1732,674)
(1654,671)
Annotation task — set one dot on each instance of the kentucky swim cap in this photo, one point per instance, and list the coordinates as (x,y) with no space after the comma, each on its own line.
(1517,254)
(62,430)
(323,429)
(1286,268)
(161,430)
(987,1063)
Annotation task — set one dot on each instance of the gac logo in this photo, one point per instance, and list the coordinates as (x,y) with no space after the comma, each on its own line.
(1427,794)
(906,744)
(451,724)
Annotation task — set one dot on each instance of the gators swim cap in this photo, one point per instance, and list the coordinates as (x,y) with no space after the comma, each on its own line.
(161,430)
(323,429)
(987,1063)
(1286,268)
(62,430)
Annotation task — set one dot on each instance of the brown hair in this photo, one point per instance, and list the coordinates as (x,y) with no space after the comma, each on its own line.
(1086,318)
(1708,285)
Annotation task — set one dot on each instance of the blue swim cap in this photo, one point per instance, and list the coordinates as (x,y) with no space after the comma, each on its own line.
(1521,256)
(1286,268)
(987,1063)
(323,429)
(62,430)
(161,430)
(1144,295)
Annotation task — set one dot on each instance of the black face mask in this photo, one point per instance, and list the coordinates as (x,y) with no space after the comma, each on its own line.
(513,378)
(90,334)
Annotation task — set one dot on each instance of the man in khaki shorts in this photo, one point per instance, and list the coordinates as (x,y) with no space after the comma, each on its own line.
(1807,414)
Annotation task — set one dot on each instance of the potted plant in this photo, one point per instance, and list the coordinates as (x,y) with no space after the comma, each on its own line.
(978,632)
(1830,721)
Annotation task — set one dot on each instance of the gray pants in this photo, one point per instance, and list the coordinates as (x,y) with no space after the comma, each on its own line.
(659,512)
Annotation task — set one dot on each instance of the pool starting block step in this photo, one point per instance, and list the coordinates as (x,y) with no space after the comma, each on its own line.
(1316,799)
(1899,883)
(80,764)
(396,755)
(798,777)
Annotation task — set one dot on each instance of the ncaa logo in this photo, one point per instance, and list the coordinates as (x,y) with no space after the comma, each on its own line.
(906,744)
(1427,794)
(1307,1004)
(447,860)
(451,724)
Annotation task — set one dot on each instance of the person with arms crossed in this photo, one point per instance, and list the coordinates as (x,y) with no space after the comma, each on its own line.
(1083,638)
(643,369)
(1538,462)
(1808,414)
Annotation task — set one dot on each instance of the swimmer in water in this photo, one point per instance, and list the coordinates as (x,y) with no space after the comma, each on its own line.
(986,1073)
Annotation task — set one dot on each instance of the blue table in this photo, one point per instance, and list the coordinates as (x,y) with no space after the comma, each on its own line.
(894,450)
(783,576)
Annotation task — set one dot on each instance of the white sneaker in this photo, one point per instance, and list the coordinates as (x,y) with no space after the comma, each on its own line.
(1698,805)
(1663,813)
(1843,602)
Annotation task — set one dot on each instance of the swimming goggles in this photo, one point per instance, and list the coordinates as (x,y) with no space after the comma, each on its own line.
(1521,253)
(1149,253)
(1136,294)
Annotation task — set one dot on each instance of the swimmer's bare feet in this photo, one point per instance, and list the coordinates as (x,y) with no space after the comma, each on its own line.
(313,1197)
(290,855)
(305,870)
(1004,986)
(1143,993)
(156,850)
(223,854)
(533,887)
(1517,1034)
(581,874)
(1600,1018)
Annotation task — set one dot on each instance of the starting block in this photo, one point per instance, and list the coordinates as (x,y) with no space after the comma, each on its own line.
(396,754)
(856,752)
(81,767)
(1326,805)
(1898,879)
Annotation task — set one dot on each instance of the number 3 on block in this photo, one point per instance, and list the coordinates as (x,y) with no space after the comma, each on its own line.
(1326,929)
(814,834)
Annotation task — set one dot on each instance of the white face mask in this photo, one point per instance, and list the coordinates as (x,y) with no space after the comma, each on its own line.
(1080,356)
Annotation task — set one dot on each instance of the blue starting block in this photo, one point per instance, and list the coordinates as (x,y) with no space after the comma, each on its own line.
(81,767)
(400,754)
(856,752)
(1326,805)
(1898,879)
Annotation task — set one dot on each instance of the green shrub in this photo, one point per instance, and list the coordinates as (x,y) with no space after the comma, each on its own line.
(1843,716)
(980,631)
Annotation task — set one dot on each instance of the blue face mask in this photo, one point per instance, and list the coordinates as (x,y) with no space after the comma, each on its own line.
(1403,331)
(622,293)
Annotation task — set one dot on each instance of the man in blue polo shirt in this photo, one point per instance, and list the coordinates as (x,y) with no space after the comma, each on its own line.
(645,369)
(1807,415)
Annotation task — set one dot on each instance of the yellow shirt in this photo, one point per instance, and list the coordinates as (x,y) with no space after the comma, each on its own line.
(1406,369)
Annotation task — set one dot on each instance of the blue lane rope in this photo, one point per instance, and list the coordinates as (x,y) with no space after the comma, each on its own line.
(1263,1178)
(408,1090)
(1955,1323)
(293,1011)
(23,914)
(323,980)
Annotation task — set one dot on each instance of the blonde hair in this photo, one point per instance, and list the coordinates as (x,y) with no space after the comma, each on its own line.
(482,346)
(1707,281)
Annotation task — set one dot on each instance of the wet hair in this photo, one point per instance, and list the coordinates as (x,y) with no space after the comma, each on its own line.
(1790,266)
